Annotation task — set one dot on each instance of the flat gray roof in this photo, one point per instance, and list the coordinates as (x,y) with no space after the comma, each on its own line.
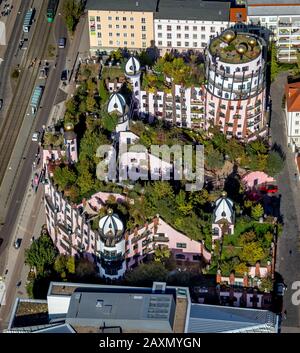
(214,318)
(193,10)
(263,11)
(127,310)
(122,5)
(271,2)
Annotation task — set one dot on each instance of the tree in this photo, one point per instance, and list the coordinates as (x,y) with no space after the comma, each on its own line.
(103,92)
(146,274)
(41,254)
(90,104)
(247,237)
(72,11)
(257,211)
(109,122)
(63,177)
(274,62)
(214,159)
(252,252)
(85,180)
(241,268)
(85,268)
(184,207)
(161,254)
(274,163)
(60,265)
(266,284)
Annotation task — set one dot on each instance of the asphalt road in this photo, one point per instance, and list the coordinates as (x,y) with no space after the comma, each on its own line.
(24,172)
(288,265)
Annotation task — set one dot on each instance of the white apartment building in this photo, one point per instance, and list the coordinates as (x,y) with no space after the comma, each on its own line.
(282,18)
(189,24)
(292,113)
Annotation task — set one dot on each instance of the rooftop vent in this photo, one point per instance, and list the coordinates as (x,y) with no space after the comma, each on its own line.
(159,287)
(99,303)
(136,3)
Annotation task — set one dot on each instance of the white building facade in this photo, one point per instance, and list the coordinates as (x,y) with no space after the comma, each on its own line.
(235,89)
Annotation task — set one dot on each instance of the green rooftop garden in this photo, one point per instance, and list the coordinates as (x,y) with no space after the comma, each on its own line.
(228,51)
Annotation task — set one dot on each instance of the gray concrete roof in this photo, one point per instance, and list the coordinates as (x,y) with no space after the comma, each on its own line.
(271,2)
(213,319)
(193,10)
(274,11)
(63,328)
(122,5)
(130,311)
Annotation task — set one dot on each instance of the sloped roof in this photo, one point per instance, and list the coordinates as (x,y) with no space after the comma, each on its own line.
(292,93)
(223,210)
(214,318)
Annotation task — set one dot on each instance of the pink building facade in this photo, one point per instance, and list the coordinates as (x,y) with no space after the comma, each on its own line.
(253,179)
(70,229)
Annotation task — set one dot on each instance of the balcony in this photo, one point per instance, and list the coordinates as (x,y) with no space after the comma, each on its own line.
(136,238)
(107,257)
(160,237)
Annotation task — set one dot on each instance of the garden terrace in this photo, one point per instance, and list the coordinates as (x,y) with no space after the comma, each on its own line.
(112,72)
(30,313)
(53,140)
(227,52)
(87,71)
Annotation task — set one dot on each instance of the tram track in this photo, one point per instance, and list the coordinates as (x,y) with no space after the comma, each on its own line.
(17,111)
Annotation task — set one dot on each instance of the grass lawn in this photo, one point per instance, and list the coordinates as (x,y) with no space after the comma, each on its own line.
(112,72)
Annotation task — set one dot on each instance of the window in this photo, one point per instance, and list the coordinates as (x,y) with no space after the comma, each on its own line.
(296,131)
(143,28)
(118,34)
(99,34)
(131,26)
(178,35)
(125,35)
(178,44)
(202,28)
(212,29)
(135,246)
(194,44)
(98,26)
(117,26)
(98,18)
(125,42)
(109,26)
(143,36)
(186,36)
(245,68)
(124,26)
(180,256)
(297,114)
(181,245)
(194,36)
(132,35)
(169,44)
(117,18)
(143,20)
(159,35)
(132,43)
(169,28)
(203,44)
(178,28)
(159,42)
(110,34)
(118,42)
(144,44)
(202,36)
(194,28)
(111,42)
(187,44)
(159,27)
(169,35)
(186,28)
(109,18)
(196,257)
(131,19)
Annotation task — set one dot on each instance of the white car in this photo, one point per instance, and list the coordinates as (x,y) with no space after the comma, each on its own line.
(35,137)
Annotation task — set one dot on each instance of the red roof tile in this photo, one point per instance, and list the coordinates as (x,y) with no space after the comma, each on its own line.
(292,93)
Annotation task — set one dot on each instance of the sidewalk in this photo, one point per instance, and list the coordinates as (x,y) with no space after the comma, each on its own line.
(9,22)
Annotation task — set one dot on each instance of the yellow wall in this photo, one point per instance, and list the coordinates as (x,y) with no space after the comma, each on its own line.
(135,42)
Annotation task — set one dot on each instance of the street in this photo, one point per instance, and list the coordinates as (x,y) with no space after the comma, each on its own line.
(288,264)
(19,220)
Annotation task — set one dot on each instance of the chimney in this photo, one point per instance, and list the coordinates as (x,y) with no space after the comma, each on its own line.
(231,278)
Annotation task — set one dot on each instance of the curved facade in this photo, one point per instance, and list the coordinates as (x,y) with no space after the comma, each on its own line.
(111,246)
(133,72)
(235,88)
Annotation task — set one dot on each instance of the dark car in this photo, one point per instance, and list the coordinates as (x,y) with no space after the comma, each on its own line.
(64,75)
(17,243)
(62,43)
(1,103)
(1,241)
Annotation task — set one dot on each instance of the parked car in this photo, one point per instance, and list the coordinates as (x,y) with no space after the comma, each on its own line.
(1,104)
(269,188)
(64,75)
(35,137)
(17,243)
(280,288)
(1,241)
(18,284)
(62,43)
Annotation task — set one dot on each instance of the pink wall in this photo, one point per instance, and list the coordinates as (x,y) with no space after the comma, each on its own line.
(262,177)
